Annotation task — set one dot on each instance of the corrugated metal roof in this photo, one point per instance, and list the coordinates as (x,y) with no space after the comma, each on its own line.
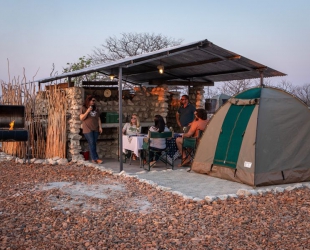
(198,62)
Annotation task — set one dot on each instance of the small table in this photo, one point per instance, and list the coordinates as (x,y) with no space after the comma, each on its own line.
(133,143)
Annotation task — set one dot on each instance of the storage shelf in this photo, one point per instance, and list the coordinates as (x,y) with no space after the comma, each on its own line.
(101,139)
(116,125)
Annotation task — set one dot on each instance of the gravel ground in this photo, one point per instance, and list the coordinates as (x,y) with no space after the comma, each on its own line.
(78,207)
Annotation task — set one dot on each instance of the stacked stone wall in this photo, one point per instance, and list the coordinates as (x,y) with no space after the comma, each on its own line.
(75,102)
(196,96)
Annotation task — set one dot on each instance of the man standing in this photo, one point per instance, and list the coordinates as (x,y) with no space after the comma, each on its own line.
(185,114)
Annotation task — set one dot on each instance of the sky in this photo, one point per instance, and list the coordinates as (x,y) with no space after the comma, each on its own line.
(35,34)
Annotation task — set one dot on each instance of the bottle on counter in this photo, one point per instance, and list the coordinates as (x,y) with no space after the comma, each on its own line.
(171,129)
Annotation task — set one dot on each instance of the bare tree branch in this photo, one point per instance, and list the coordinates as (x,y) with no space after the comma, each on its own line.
(233,88)
(130,44)
(303,92)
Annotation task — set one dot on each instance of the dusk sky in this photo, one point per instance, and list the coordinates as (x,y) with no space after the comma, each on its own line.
(34,34)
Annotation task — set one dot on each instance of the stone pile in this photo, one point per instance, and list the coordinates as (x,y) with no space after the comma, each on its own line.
(77,207)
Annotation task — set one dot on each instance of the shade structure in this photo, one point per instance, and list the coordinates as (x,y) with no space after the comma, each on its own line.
(197,63)
(259,137)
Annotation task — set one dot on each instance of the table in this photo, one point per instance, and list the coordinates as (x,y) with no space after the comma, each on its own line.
(133,143)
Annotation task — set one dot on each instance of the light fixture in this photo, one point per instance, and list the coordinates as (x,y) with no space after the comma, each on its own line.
(161,69)
(111,77)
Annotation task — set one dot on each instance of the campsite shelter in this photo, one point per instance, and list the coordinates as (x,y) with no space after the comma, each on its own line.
(195,64)
(259,137)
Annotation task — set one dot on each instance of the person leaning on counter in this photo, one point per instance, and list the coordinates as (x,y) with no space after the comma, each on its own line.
(91,123)
(185,114)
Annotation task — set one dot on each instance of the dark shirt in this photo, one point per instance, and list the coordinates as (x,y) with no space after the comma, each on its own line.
(186,114)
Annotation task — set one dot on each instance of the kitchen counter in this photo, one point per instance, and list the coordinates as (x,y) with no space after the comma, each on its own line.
(114,125)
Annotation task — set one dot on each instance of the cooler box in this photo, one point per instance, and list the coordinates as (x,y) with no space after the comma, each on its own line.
(109,117)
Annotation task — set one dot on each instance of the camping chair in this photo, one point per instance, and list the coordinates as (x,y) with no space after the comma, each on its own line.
(129,156)
(147,149)
(189,146)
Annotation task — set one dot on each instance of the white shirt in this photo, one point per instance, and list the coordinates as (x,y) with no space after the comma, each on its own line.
(131,129)
(158,142)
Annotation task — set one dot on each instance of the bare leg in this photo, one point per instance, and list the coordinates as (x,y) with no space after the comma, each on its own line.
(179,142)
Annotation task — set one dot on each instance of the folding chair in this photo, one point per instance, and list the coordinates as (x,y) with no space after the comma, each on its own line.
(189,147)
(147,149)
(129,156)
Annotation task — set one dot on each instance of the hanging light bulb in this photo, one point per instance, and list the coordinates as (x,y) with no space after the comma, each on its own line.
(161,69)
(111,77)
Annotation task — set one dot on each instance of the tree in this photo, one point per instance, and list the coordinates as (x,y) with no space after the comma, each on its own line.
(286,85)
(131,44)
(210,91)
(303,92)
(82,63)
(235,87)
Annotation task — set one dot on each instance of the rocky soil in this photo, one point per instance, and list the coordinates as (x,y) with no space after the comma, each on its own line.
(77,207)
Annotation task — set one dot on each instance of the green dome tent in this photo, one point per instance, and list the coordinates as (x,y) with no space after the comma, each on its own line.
(259,137)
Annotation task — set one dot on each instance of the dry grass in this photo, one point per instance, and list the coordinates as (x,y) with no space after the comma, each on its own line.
(47,134)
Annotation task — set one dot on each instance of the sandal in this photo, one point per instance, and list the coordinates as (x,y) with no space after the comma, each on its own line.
(152,164)
(99,161)
(185,162)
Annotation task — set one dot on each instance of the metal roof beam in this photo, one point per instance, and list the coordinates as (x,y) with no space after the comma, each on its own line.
(236,63)
(85,83)
(219,73)
(166,54)
(214,60)
(183,65)
(182,83)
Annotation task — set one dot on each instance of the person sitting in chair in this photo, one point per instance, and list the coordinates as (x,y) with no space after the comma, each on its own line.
(157,143)
(200,122)
(132,128)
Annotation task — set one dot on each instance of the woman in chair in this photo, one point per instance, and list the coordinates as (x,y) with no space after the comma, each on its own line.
(132,128)
(157,143)
(200,122)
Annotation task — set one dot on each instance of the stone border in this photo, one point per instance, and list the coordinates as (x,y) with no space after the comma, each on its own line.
(240,193)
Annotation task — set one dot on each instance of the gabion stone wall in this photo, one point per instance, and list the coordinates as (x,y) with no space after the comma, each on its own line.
(75,102)
(196,96)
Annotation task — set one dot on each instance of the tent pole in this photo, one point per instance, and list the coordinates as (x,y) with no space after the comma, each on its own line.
(261,78)
(120,119)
